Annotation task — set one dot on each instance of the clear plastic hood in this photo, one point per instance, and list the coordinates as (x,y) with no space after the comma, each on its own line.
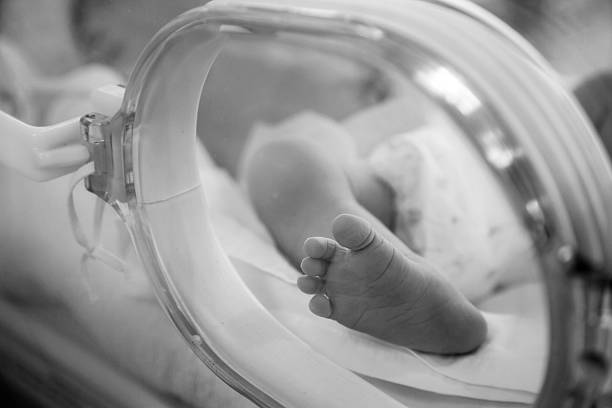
(247,127)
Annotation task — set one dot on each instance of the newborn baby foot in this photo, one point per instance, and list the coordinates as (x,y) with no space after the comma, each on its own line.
(363,282)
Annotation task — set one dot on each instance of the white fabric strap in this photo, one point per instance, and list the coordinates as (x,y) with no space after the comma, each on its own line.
(93,249)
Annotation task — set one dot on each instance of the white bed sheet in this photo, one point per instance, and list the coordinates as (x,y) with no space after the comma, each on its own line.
(509,367)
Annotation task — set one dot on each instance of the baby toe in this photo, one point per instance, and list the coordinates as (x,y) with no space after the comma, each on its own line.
(353,232)
(319,247)
(314,266)
(320,305)
(309,285)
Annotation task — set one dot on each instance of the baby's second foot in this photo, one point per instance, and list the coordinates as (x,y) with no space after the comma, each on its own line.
(364,283)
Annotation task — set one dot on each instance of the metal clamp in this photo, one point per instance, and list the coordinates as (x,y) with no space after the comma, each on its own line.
(103,137)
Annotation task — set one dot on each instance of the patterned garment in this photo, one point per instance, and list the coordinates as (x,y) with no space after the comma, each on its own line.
(451,210)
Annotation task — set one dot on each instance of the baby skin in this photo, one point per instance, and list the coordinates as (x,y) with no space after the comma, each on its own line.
(331,217)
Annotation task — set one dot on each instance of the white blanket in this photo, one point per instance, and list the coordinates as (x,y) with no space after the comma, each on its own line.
(509,367)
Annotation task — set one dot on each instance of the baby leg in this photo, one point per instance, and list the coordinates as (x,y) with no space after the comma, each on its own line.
(297,188)
(381,287)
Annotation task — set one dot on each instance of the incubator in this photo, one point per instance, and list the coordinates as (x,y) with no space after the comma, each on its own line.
(138,271)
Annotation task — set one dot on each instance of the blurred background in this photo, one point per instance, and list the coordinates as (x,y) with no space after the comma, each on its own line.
(60,35)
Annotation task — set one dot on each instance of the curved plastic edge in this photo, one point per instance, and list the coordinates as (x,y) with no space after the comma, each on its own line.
(196,283)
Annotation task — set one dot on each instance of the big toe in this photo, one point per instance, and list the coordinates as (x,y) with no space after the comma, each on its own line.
(353,232)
